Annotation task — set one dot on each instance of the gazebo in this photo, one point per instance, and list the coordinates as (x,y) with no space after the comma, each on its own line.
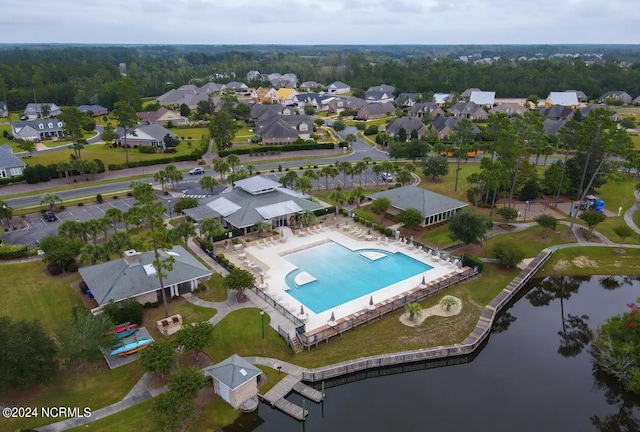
(235,380)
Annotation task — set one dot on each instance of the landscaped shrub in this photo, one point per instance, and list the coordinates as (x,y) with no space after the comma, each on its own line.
(30,175)
(469,260)
(99,199)
(13,251)
(507,253)
(194,156)
(72,267)
(371,130)
(147,149)
(42,172)
(170,150)
(16,179)
(80,204)
(54,269)
(130,311)
(306,145)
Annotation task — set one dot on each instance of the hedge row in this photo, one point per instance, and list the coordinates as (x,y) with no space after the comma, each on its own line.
(283,148)
(182,158)
(369,223)
(15,251)
(16,179)
(469,260)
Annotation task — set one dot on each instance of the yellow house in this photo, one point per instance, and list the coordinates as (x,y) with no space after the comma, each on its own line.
(266,94)
(285,96)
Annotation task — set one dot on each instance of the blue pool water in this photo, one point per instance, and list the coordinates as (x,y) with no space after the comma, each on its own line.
(343,275)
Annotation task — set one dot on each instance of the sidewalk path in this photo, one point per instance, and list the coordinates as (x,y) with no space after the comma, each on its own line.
(628,215)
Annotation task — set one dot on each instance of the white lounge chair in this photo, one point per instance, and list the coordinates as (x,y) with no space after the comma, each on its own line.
(260,244)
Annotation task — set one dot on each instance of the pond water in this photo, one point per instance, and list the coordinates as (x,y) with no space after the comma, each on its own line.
(535,374)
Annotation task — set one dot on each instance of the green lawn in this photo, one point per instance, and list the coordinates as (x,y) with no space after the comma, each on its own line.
(531,240)
(617,193)
(194,133)
(635,139)
(273,377)
(215,290)
(106,154)
(94,389)
(438,237)
(602,260)
(190,313)
(30,293)
(444,185)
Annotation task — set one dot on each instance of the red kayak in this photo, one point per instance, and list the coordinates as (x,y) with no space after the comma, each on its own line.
(121,328)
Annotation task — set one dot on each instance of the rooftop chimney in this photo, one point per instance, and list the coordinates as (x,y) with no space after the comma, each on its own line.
(132,257)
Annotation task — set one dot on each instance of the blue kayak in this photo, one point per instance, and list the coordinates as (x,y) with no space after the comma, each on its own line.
(131,344)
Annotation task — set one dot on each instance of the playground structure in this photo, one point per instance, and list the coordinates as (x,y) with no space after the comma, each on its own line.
(592,202)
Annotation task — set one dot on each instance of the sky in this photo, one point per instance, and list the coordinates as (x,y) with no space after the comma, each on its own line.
(320,21)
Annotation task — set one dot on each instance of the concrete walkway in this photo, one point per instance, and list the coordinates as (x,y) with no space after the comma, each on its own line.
(628,215)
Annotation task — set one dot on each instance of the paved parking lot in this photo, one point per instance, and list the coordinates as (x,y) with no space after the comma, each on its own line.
(369,178)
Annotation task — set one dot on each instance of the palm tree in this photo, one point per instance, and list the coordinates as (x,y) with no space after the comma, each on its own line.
(174,175)
(221,166)
(337,198)
(377,169)
(208,182)
(91,167)
(71,229)
(183,232)
(289,179)
(326,172)
(50,199)
(404,176)
(115,216)
(345,168)
(161,177)
(304,184)
(311,174)
(414,310)
(359,168)
(64,167)
(448,302)
(120,242)
(357,194)
(92,227)
(233,161)
(261,227)
(91,252)
(104,224)
(251,168)
(211,228)
(307,218)
(127,118)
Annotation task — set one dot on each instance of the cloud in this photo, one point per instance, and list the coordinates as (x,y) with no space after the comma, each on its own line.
(326,21)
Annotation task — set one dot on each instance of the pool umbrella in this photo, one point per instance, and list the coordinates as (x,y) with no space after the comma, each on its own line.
(332,320)
(423,281)
(371,301)
(301,310)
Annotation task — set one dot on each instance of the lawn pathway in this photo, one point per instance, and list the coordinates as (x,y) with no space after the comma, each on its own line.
(628,215)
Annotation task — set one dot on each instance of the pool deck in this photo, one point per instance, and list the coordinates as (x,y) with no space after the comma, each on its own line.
(269,259)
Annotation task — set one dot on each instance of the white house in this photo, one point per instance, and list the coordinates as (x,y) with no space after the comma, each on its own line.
(338,87)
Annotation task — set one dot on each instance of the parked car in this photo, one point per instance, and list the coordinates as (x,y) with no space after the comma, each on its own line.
(196,171)
(388,177)
(49,216)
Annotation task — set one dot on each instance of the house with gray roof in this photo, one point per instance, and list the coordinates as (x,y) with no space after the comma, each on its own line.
(467,93)
(93,110)
(37,130)
(445,126)
(235,380)
(378,97)
(552,127)
(4,110)
(252,200)
(34,110)
(620,96)
(310,86)
(557,112)
(408,99)
(409,124)
(442,98)
(338,87)
(277,131)
(435,208)
(135,276)
(585,111)
(237,86)
(374,111)
(426,109)
(469,110)
(144,135)
(582,97)
(339,104)
(319,101)
(212,88)
(178,97)
(10,164)
(510,109)
(567,99)
(382,88)
(636,101)
(484,98)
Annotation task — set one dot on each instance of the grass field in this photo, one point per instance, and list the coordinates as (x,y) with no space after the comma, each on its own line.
(190,314)
(601,260)
(531,240)
(635,139)
(30,293)
(444,185)
(438,237)
(106,154)
(194,133)
(215,289)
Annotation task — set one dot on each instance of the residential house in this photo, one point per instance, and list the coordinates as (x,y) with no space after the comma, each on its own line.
(409,124)
(144,135)
(469,110)
(445,126)
(620,96)
(288,80)
(510,109)
(253,75)
(435,208)
(338,105)
(582,97)
(567,99)
(585,111)
(557,112)
(309,86)
(382,88)
(338,87)
(235,380)
(34,110)
(319,101)
(37,130)
(211,88)
(378,97)
(303,124)
(442,98)
(374,111)
(465,95)
(408,99)
(135,276)
(4,110)
(237,87)
(163,116)
(277,131)
(266,95)
(191,98)
(10,164)
(253,200)
(485,98)
(285,96)
(93,110)
(552,127)
(636,101)
(263,113)
(426,109)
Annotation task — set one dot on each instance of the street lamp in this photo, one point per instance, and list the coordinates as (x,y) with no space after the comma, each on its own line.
(170,215)
(262,322)
(526,207)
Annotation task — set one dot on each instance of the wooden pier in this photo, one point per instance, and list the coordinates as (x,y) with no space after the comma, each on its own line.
(276,396)
(308,392)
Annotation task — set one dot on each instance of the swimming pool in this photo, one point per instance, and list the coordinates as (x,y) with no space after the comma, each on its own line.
(331,274)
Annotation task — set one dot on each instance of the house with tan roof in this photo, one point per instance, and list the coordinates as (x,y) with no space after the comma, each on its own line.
(163,116)
(266,95)
(469,110)
(375,111)
(426,109)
